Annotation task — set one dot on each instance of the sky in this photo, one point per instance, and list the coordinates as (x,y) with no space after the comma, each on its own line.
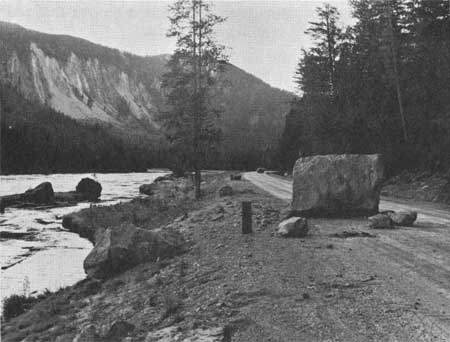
(264,38)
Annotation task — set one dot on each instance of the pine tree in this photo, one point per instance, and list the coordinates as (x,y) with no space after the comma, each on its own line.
(327,36)
(189,122)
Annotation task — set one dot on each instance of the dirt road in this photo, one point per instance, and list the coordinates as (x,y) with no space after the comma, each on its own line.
(428,213)
(391,285)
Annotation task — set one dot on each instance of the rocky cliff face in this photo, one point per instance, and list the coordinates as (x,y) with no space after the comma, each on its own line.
(82,88)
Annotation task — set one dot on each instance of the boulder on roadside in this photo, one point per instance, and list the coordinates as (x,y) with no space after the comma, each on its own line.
(380,221)
(41,194)
(293,227)
(226,191)
(89,188)
(337,185)
(123,247)
(403,218)
(147,189)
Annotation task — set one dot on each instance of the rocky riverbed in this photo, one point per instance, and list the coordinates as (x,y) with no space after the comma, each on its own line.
(37,253)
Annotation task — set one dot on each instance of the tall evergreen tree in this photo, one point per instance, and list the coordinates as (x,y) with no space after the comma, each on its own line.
(390,86)
(189,121)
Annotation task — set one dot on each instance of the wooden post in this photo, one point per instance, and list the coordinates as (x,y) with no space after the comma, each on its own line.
(246,217)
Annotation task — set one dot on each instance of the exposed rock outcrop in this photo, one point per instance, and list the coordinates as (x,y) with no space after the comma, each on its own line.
(337,185)
(120,248)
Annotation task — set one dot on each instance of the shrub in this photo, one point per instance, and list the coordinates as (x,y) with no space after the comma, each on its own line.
(15,305)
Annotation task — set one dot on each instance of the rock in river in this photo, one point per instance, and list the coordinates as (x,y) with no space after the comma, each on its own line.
(42,194)
(89,188)
(337,185)
(123,247)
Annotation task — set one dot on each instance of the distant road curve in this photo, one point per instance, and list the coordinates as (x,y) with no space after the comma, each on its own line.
(282,188)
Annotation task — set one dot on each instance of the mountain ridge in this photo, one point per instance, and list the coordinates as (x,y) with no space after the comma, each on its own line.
(94,83)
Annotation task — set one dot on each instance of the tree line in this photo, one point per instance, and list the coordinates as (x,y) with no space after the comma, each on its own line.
(381,85)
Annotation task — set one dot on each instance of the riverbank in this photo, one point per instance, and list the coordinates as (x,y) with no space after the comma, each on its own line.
(37,253)
(344,282)
(156,293)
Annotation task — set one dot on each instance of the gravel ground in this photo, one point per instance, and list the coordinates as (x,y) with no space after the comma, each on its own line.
(338,284)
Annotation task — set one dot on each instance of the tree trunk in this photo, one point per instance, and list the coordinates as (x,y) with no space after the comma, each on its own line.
(197,182)
(395,69)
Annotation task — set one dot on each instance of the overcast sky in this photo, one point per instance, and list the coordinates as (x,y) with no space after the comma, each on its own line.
(263,37)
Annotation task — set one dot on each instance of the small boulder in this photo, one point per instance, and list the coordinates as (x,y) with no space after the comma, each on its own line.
(293,227)
(123,247)
(226,191)
(89,188)
(235,177)
(380,221)
(42,194)
(260,170)
(147,189)
(403,218)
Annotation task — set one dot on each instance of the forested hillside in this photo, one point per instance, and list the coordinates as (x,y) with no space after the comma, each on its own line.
(382,85)
(36,139)
(120,94)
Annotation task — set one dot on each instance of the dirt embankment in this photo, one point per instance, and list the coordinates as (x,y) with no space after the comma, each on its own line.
(343,282)
(423,186)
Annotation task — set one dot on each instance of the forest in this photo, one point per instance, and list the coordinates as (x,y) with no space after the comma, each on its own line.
(381,85)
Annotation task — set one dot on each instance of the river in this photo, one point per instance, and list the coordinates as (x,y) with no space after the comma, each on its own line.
(49,257)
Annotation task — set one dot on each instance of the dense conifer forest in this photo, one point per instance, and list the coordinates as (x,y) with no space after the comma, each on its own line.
(381,85)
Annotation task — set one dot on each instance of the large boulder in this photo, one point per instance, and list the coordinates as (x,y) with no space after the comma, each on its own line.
(293,227)
(121,248)
(147,189)
(89,188)
(75,223)
(337,185)
(403,218)
(42,194)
